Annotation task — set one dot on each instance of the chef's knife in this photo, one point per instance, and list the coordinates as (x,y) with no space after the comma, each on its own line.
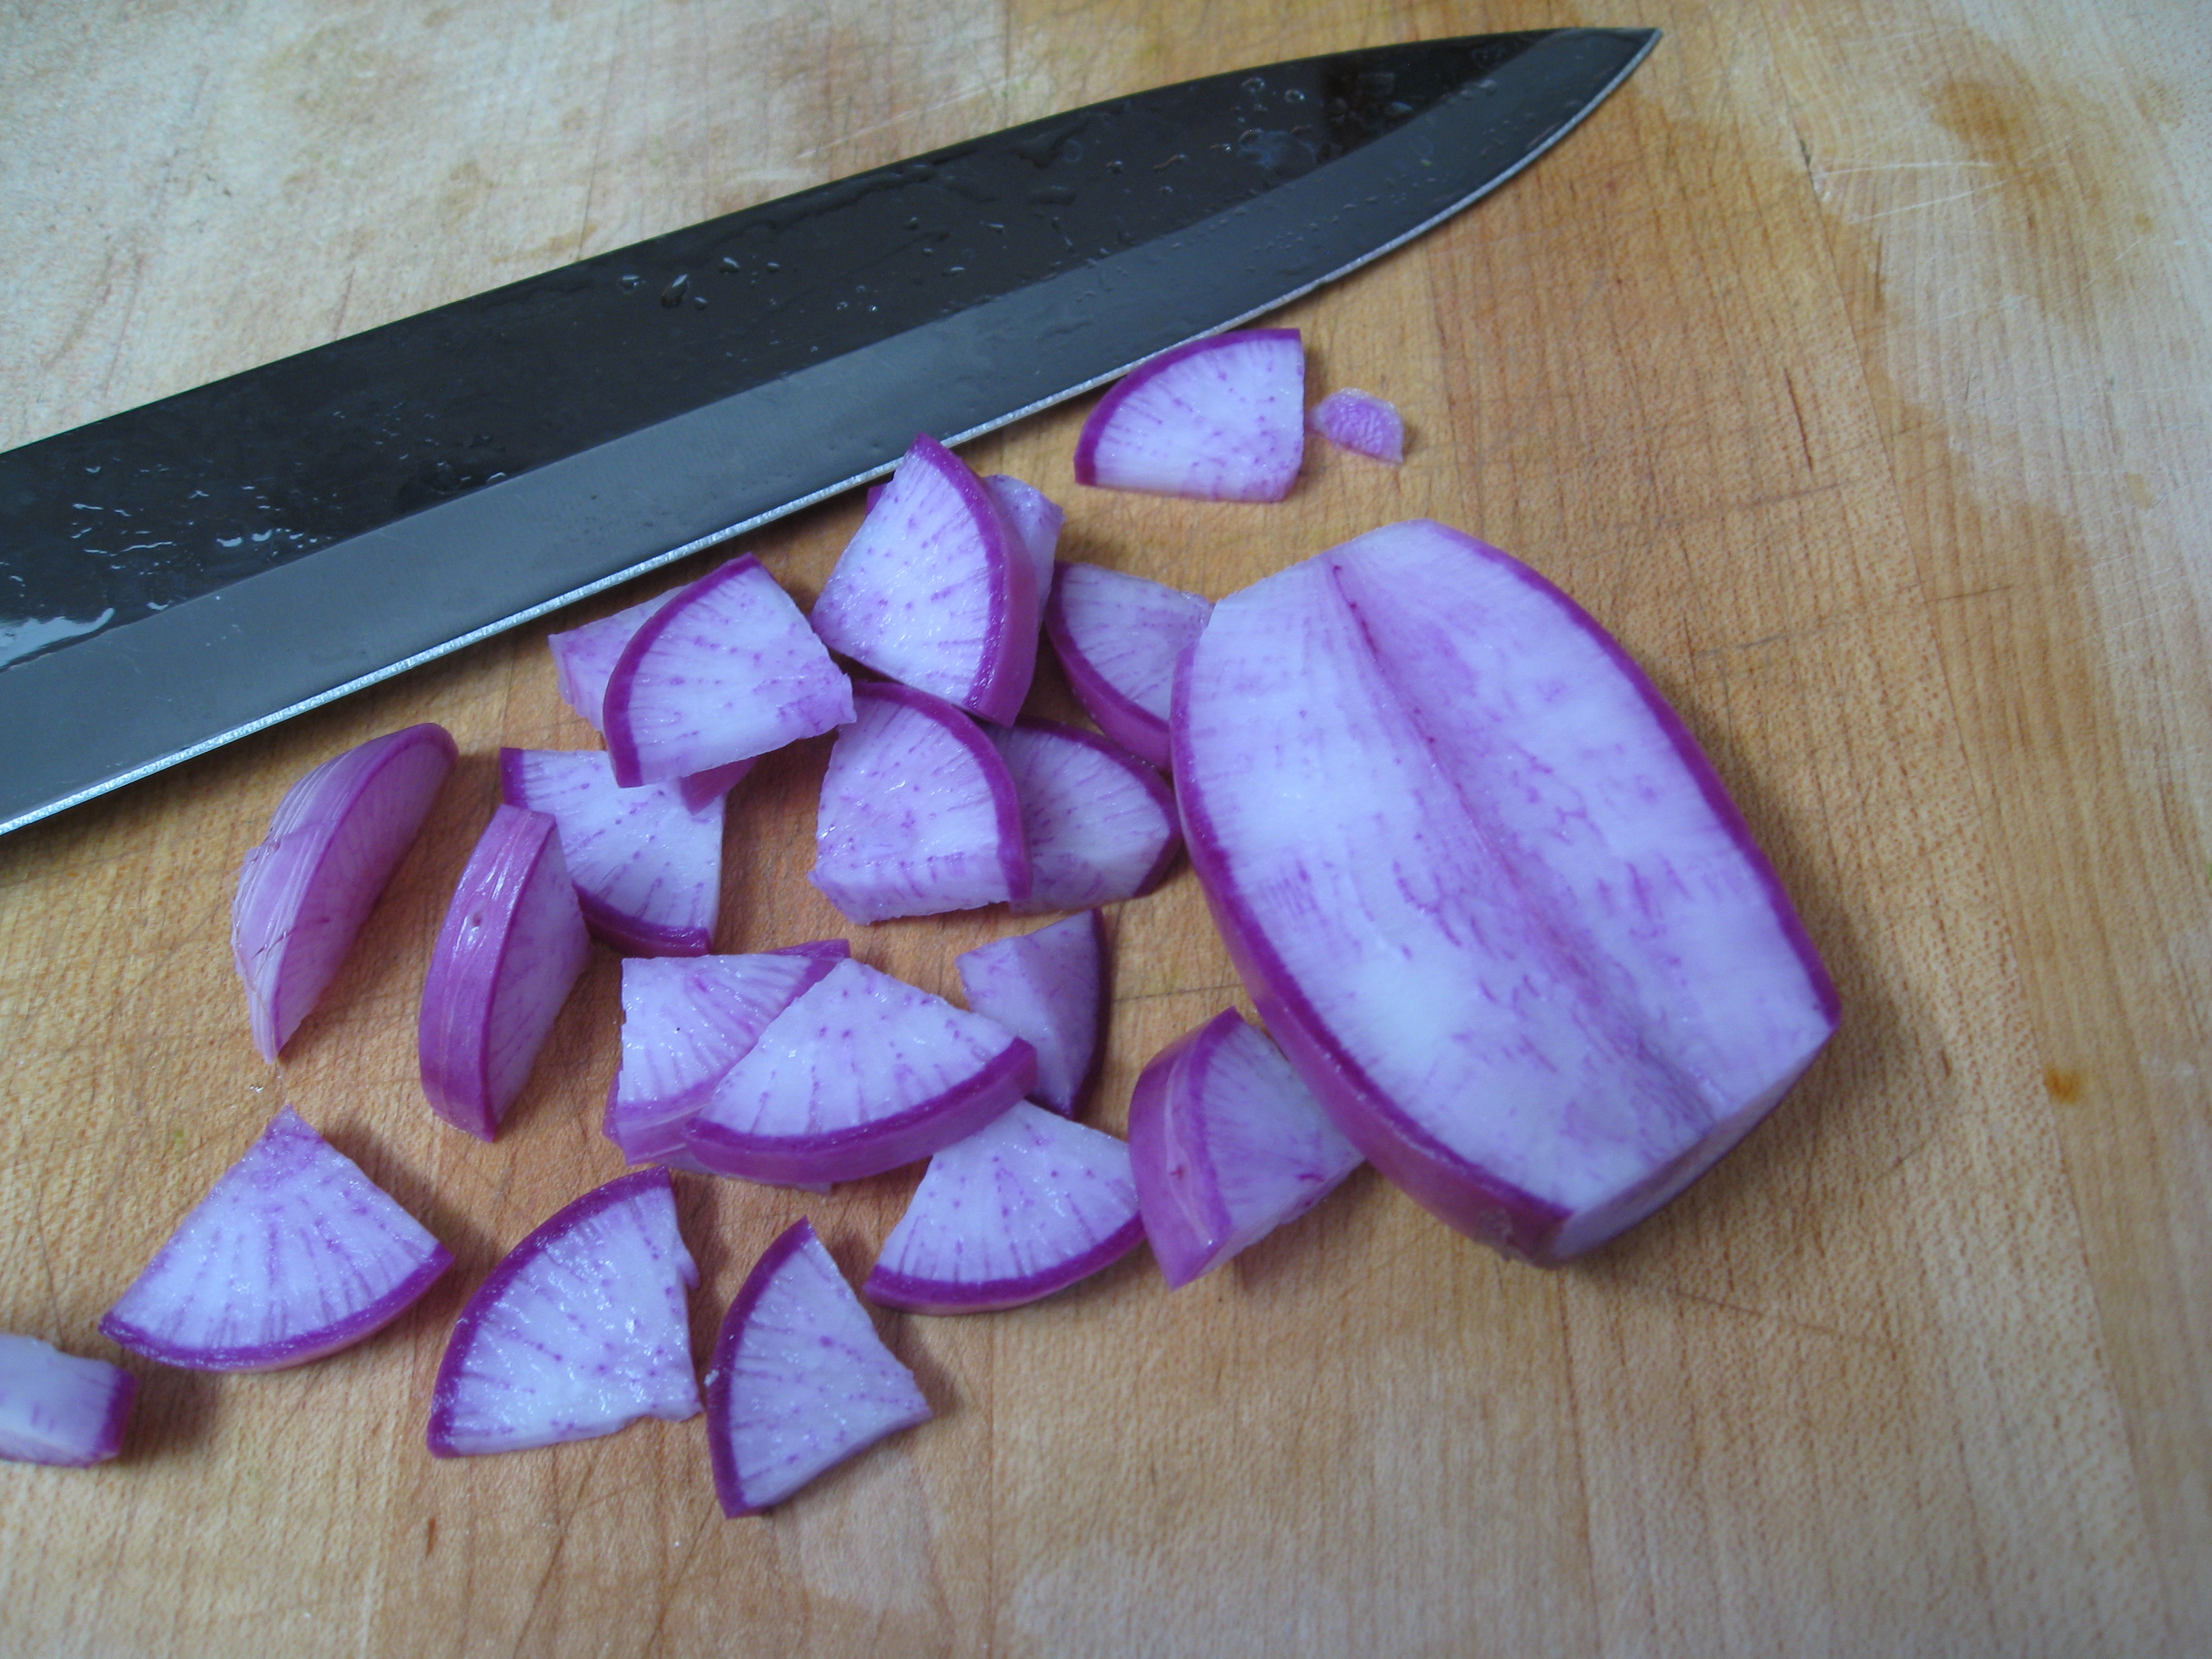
(183,574)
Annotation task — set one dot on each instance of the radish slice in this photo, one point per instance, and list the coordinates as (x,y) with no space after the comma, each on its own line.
(647,867)
(1362,422)
(1118,637)
(860,1074)
(1227,1145)
(511,946)
(937,590)
(339,834)
(1487,892)
(58,1408)
(1099,822)
(580,1332)
(686,1024)
(1217,420)
(1048,988)
(918,812)
(294,1254)
(1036,520)
(1015,1212)
(726,670)
(800,1381)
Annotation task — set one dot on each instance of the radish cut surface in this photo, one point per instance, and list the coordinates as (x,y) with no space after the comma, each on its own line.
(1487,892)
(937,590)
(1049,988)
(294,1254)
(58,1408)
(1221,419)
(726,670)
(1227,1144)
(511,946)
(339,834)
(1118,636)
(800,1381)
(918,813)
(1036,520)
(1363,424)
(861,1073)
(1024,1207)
(580,1332)
(647,867)
(1099,824)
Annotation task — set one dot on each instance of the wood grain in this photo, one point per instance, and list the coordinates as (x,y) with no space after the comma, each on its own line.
(1849,365)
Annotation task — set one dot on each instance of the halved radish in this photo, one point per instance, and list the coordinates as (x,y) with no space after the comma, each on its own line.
(647,867)
(339,834)
(1049,988)
(861,1073)
(511,946)
(580,1332)
(726,670)
(918,813)
(1227,1144)
(1221,419)
(1099,824)
(1118,636)
(1023,1207)
(58,1408)
(1362,422)
(1036,520)
(799,1381)
(294,1254)
(937,590)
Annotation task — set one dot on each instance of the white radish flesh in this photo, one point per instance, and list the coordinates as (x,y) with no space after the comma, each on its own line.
(59,1409)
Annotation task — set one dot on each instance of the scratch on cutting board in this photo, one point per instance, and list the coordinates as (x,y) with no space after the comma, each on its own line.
(996,84)
(1887,1345)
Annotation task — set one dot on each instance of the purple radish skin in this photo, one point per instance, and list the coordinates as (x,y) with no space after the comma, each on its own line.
(1118,637)
(1221,419)
(59,1409)
(1049,988)
(1363,424)
(1099,824)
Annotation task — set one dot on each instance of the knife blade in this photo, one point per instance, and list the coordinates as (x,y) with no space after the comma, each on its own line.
(181,574)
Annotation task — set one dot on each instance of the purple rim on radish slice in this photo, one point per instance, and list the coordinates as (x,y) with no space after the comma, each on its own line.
(1099,824)
(1024,1207)
(799,1381)
(936,590)
(511,946)
(1489,895)
(294,1254)
(918,814)
(581,1331)
(1221,419)
(861,1073)
(1227,1144)
(1050,989)
(1363,424)
(59,1409)
(726,669)
(1036,520)
(647,867)
(1119,637)
(339,834)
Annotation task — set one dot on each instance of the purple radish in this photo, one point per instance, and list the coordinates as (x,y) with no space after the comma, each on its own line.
(581,1331)
(647,867)
(1221,419)
(1118,636)
(1100,824)
(1024,1207)
(861,1073)
(294,1254)
(59,1409)
(918,813)
(937,590)
(513,945)
(1227,1144)
(1363,424)
(1050,989)
(726,670)
(1036,520)
(339,834)
(800,1381)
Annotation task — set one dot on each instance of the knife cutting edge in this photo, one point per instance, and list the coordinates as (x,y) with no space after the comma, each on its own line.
(186,573)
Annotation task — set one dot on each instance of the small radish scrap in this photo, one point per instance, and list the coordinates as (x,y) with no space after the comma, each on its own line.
(1118,636)
(339,834)
(1049,988)
(581,1331)
(58,1408)
(1099,824)
(1363,424)
(1227,1144)
(800,1381)
(1221,419)
(1024,1207)
(294,1254)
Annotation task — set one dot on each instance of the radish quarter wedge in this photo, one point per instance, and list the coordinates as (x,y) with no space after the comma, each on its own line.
(1221,419)
(1099,824)
(1050,989)
(1119,636)
(58,1408)
(1487,893)
(1036,520)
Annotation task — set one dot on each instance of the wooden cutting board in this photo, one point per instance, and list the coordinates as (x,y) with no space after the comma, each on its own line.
(1851,365)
